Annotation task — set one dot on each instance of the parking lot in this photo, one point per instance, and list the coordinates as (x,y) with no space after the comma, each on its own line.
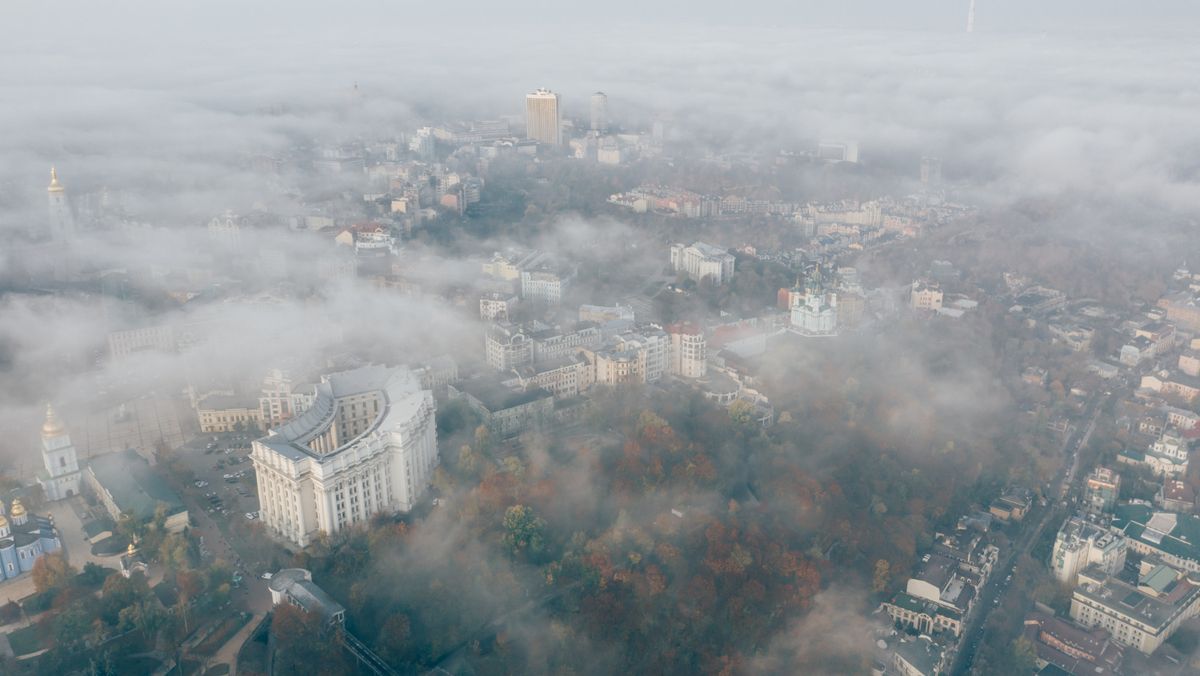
(222,475)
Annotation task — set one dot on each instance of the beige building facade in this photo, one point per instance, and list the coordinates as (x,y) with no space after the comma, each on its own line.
(543,119)
(367,445)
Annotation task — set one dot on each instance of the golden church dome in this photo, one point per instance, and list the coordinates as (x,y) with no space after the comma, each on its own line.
(55,186)
(53,426)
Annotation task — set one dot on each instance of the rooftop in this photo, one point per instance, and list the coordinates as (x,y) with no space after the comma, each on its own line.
(222,402)
(937,571)
(495,396)
(297,584)
(1102,655)
(402,400)
(1125,599)
(1175,534)
(133,485)
(921,653)
(710,250)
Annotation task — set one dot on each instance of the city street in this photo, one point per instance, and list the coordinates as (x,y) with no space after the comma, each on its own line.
(992,595)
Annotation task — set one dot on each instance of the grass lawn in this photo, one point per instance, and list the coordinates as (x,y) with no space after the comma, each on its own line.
(27,640)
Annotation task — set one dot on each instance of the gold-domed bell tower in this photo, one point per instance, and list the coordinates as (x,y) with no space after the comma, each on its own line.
(61,476)
(62,221)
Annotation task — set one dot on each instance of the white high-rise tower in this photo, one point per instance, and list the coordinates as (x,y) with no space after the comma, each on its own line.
(599,112)
(543,119)
(62,223)
(971,17)
(61,477)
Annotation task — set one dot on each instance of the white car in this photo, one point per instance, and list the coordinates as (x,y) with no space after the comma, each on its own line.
(251,515)
(201,483)
(267,576)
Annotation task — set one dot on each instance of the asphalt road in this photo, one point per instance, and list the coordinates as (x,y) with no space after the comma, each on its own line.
(992,594)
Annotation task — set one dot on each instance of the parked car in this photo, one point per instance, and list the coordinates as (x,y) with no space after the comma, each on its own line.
(267,576)
(251,515)
(201,483)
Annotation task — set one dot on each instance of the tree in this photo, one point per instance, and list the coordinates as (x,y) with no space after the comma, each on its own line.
(394,639)
(51,572)
(883,575)
(120,592)
(741,412)
(145,616)
(524,531)
(303,646)
(93,574)
(71,626)
(1024,656)
(190,585)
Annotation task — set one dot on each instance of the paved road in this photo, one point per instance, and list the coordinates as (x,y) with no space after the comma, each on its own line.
(992,594)
(253,596)
(228,652)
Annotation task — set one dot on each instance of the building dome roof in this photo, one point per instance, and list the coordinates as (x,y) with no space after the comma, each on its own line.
(3,521)
(55,186)
(17,508)
(53,427)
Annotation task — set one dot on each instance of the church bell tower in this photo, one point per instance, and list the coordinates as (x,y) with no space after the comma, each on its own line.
(61,476)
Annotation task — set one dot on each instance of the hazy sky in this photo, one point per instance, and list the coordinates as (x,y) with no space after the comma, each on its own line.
(119,91)
(164,103)
(404,17)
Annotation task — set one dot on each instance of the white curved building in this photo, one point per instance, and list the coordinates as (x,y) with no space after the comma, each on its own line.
(367,445)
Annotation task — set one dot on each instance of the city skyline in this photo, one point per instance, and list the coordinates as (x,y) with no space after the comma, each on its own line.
(677,340)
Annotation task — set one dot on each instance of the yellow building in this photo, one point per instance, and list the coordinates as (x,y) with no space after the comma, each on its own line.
(221,413)
(926,295)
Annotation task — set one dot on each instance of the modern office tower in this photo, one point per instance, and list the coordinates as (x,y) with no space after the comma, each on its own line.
(543,118)
(599,112)
(931,172)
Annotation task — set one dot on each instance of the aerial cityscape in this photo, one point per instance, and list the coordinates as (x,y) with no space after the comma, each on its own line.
(359,339)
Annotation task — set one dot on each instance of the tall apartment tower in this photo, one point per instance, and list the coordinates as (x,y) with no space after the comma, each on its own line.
(931,172)
(600,112)
(543,119)
(62,222)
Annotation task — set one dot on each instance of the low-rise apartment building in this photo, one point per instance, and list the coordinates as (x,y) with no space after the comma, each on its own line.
(1140,616)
